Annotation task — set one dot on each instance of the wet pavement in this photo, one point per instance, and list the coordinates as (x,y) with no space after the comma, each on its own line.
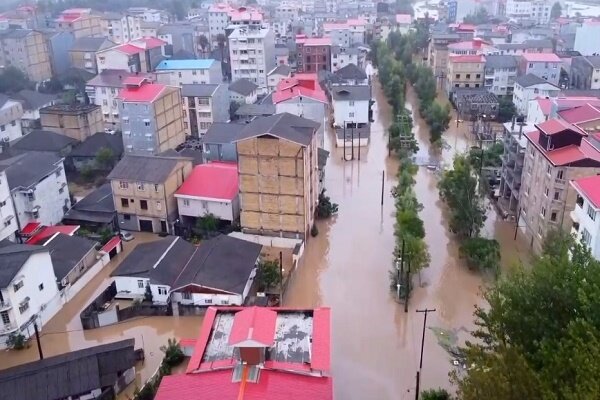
(375,345)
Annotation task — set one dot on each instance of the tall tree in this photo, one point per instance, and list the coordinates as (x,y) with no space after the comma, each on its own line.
(556,10)
(13,80)
(438,118)
(506,109)
(203,43)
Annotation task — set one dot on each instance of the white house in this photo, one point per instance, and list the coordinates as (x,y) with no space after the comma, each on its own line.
(500,74)
(202,106)
(11,112)
(346,33)
(139,55)
(189,72)
(218,271)
(277,74)
(243,91)
(343,56)
(28,289)
(8,220)
(351,105)
(32,102)
(121,28)
(211,188)
(38,187)
(586,215)
(530,87)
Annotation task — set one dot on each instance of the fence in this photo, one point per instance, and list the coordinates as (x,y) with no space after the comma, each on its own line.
(90,315)
(267,240)
(71,290)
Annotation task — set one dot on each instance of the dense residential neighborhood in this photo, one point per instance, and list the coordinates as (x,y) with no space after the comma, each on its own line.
(268,199)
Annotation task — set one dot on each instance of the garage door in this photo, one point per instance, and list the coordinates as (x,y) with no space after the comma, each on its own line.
(145,225)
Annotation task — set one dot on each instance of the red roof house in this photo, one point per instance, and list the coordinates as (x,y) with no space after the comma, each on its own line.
(589,187)
(253,326)
(301,85)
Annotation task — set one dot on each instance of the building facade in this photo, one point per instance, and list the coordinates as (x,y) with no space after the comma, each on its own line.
(121,28)
(545,65)
(78,121)
(586,214)
(500,74)
(252,54)
(189,72)
(585,72)
(82,22)
(530,87)
(11,113)
(204,105)
(313,54)
(8,220)
(26,50)
(140,55)
(465,72)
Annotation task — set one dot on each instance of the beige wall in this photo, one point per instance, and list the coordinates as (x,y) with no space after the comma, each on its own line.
(169,119)
(462,70)
(87,25)
(78,60)
(76,126)
(29,54)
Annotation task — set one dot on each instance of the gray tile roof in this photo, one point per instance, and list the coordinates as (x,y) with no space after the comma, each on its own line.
(97,207)
(285,70)
(92,144)
(91,44)
(222,132)
(69,374)
(503,61)
(198,90)
(594,61)
(351,92)
(351,71)
(15,33)
(530,80)
(257,110)
(32,100)
(12,258)
(243,86)
(109,78)
(152,169)
(67,251)
(25,170)
(41,140)
(285,126)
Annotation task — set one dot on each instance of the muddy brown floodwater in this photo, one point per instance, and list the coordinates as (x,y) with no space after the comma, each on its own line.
(375,345)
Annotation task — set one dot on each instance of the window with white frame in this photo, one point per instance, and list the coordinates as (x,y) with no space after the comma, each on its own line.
(140,283)
(162,291)
(591,212)
(586,237)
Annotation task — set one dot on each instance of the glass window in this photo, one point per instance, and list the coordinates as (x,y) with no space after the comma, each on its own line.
(124,203)
(143,204)
(591,212)
(140,283)
(17,286)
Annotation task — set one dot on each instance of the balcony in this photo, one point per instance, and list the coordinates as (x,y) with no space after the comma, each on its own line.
(9,328)
(560,182)
(579,201)
(5,305)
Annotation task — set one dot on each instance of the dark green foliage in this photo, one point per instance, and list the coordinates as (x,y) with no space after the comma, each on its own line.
(269,273)
(105,159)
(556,10)
(481,16)
(438,118)
(207,224)
(148,293)
(481,253)
(173,353)
(16,341)
(506,109)
(492,156)
(314,231)
(437,394)
(12,80)
(325,208)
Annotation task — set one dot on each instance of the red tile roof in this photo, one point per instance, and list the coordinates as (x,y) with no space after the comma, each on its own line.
(583,113)
(314,41)
(566,155)
(589,187)
(216,180)
(541,57)
(467,58)
(146,93)
(271,385)
(305,85)
(111,244)
(555,125)
(48,231)
(253,326)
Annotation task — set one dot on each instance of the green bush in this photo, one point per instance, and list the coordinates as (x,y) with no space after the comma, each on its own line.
(16,341)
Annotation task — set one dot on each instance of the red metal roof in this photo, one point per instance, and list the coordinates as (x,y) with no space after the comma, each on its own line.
(216,180)
(568,154)
(320,357)
(584,113)
(403,19)
(128,48)
(305,85)
(271,385)
(541,57)
(589,187)
(254,324)
(202,341)
(555,125)
(31,228)
(111,244)
(314,41)
(146,93)
(48,231)
(467,58)
(149,42)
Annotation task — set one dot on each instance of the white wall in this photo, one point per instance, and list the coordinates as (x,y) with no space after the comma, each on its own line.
(8,220)
(112,59)
(307,108)
(342,111)
(106,98)
(71,290)
(128,288)
(583,39)
(342,59)
(580,215)
(196,207)
(208,299)
(188,76)
(522,96)
(11,131)
(251,99)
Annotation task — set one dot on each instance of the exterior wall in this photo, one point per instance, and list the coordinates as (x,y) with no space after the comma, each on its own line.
(50,197)
(29,54)
(114,59)
(547,71)
(314,58)
(340,60)
(219,152)
(106,98)
(196,207)
(8,220)
(522,96)
(188,77)
(350,111)
(584,33)
(309,109)
(252,55)
(84,60)
(464,75)
(76,125)
(500,81)
(59,44)
(583,74)
(122,30)
(199,116)
(217,22)
(87,25)
(273,80)
(129,288)
(587,216)
(10,121)
(238,98)
(39,287)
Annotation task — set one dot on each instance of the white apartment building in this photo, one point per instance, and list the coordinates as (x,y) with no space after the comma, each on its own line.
(149,14)
(350,104)
(342,56)
(529,87)
(28,290)
(189,72)
(500,74)
(203,105)
(8,220)
(11,112)
(252,54)
(222,16)
(537,10)
(346,34)
(121,28)
(586,215)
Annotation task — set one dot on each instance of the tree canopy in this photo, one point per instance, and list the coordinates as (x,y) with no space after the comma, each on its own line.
(480,16)
(556,10)
(506,109)
(13,80)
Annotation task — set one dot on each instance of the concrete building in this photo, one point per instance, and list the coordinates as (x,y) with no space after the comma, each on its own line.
(103,90)
(151,116)
(149,29)
(351,109)
(545,65)
(471,47)
(437,58)
(278,176)
(78,121)
(28,290)
(180,37)
(32,102)
(26,50)
(202,106)
(343,56)
(11,113)
(282,54)
(530,87)
(403,23)
(252,54)
(346,34)
(500,74)
(313,54)
(276,75)
(144,189)
(83,52)
(59,43)
(585,72)
(81,22)
(8,220)
(38,187)
(149,14)
(211,188)
(223,16)
(585,32)
(465,72)
(537,11)
(586,221)
(287,12)
(189,72)
(121,28)
(243,91)
(139,55)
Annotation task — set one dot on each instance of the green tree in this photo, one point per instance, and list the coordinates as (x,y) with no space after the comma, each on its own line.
(203,43)
(233,107)
(173,353)
(437,394)
(438,118)
(221,44)
(207,224)
(458,188)
(269,273)
(148,296)
(506,109)
(556,10)
(13,80)
(481,253)
(481,16)
(178,9)
(325,208)
(16,341)
(105,159)
(492,156)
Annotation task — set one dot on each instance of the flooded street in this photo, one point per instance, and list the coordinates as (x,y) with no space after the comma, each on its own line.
(376,345)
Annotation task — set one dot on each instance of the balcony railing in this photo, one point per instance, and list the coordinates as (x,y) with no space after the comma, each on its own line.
(7,328)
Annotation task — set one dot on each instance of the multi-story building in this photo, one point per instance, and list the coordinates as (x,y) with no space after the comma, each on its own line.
(471,47)
(103,90)
(149,14)
(28,290)
(313,54)
(149,29)
(465,72)
(222,16)
(545,65)
(276,75)
(500,74)
(26,50)
(180,37)
(189,72)
(8,220)
(287,12)
(144,189)
(351,111)
(532,10)
(139,55)
(346,34)
(252,54)
(282,54)
(121,28)
(586,215)
(151,116)
(83,52)
(59,43)
(342,56)
(278,175)
(80,21)
(529,87)
(438,54)
(11,112)
(77,121)
(202,106)
(38,187)
(585,72)
(32,102)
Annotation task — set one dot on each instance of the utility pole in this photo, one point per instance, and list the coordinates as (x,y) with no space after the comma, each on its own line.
(382,185)
(407,289)
(425,311)
(37,338)
(281,278)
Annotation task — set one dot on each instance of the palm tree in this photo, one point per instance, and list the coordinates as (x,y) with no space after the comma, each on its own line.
(203,43)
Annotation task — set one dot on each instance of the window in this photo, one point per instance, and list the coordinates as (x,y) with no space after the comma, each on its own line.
(140,283)
(586,237)
(591,212)
(457,76)
(61,190)
(186,295)
(146,123)
(124,203)
(156,187)
(143,204)
(41,287)
(543,212)
(140,187)
(186,202)
(539,231)
(5,317)
(559,174)
(351,103)
(549,170)
(24,307)
(158,205)
(2,128)
(546,192)
(123,185)
(468,76)
(556,195)
(553,216)
(208,301)
(17,286)
(351,115)
(162,291)
(126,217)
